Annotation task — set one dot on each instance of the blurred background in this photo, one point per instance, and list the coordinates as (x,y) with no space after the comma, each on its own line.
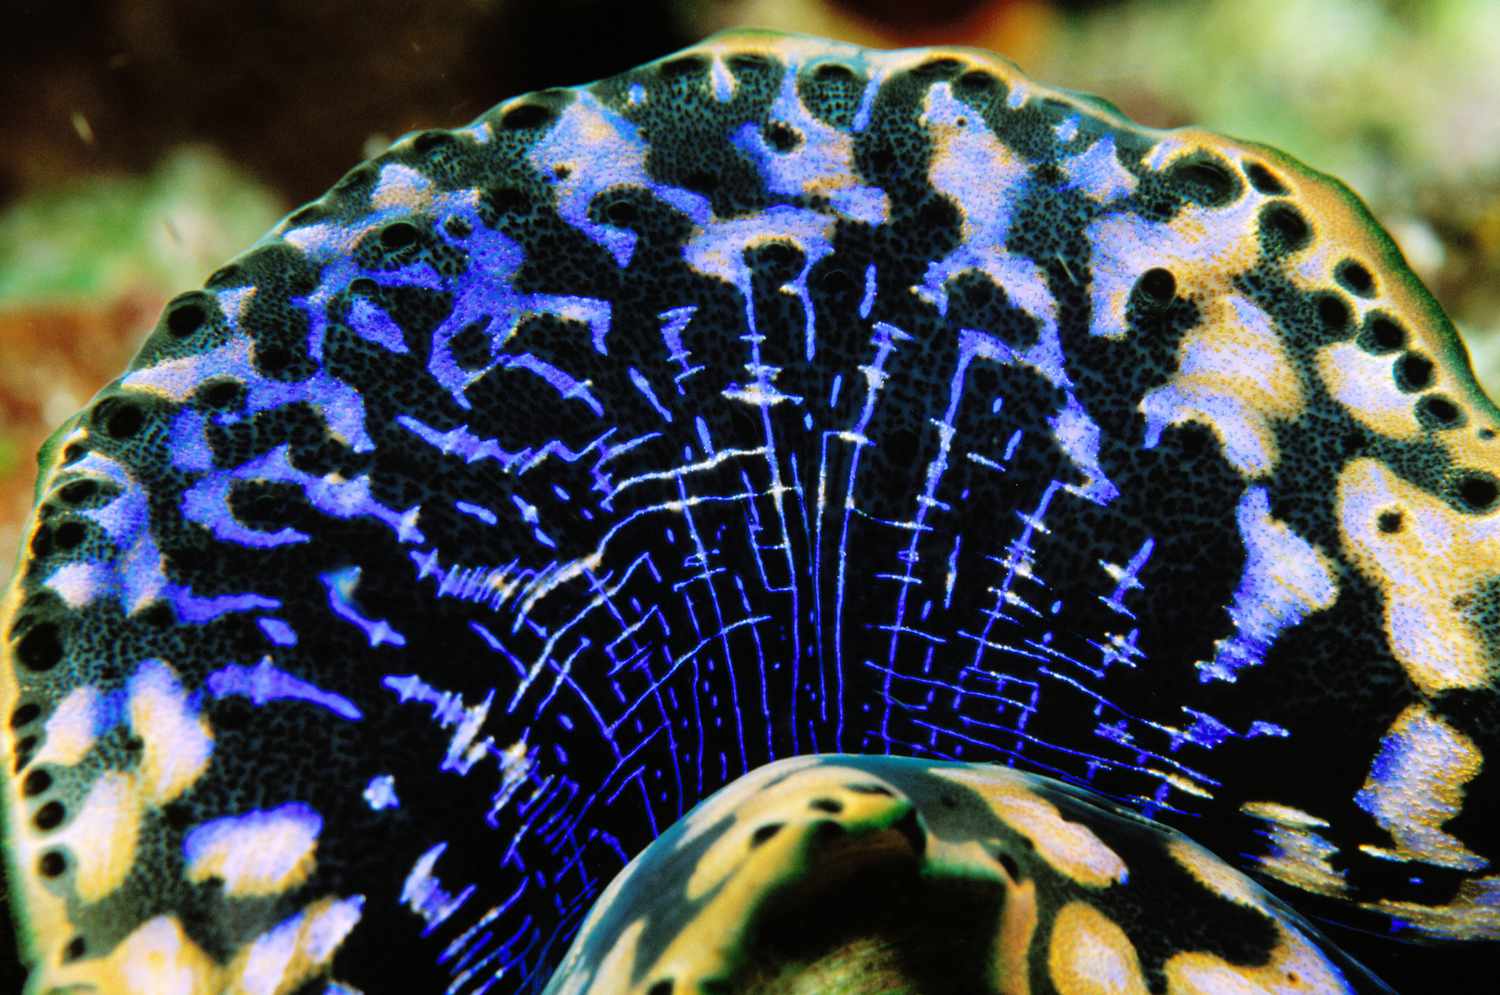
(146,141)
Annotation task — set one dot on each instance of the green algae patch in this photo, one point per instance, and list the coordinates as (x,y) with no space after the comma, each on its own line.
(93,241)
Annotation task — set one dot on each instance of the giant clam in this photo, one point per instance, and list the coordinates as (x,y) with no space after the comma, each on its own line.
(775,398)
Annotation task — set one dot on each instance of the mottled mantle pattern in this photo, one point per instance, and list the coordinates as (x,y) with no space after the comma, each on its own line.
(855,874)
(777,397)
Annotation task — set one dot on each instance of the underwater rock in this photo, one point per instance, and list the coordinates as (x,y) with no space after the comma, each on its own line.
(778,397)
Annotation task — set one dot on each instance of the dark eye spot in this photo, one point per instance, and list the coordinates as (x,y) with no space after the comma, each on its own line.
(1203,179)
(1355,278)
(427,141)
(125,422)
(37,782)
(120,419)
(363,173)
(158,614)
(1437,412)
(398,235)
(52,864)
(1381,335)
(938,68)
(25,715)
(185,316)
(525,116)
(782,137)
(75,949)
(50,816)
(457,227)
(776,255)
(222,394)
(687,65)
(1389,522)
(41,648)
(1413,372)
(304,216)
(1333,313)
(620,213)
(78,491)
(662,987)
(830,805)
(224,276)
(746,62)
(764,833)
(977,80)
(1263,179)
(833,72)
(1157,286)
(73,454)
(1478,491)
(1283,229)
(68,535)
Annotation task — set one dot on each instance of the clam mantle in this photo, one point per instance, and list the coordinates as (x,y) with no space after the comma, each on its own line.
(776,398)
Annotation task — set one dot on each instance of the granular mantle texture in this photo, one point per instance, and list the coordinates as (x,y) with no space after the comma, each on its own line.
(778,397)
